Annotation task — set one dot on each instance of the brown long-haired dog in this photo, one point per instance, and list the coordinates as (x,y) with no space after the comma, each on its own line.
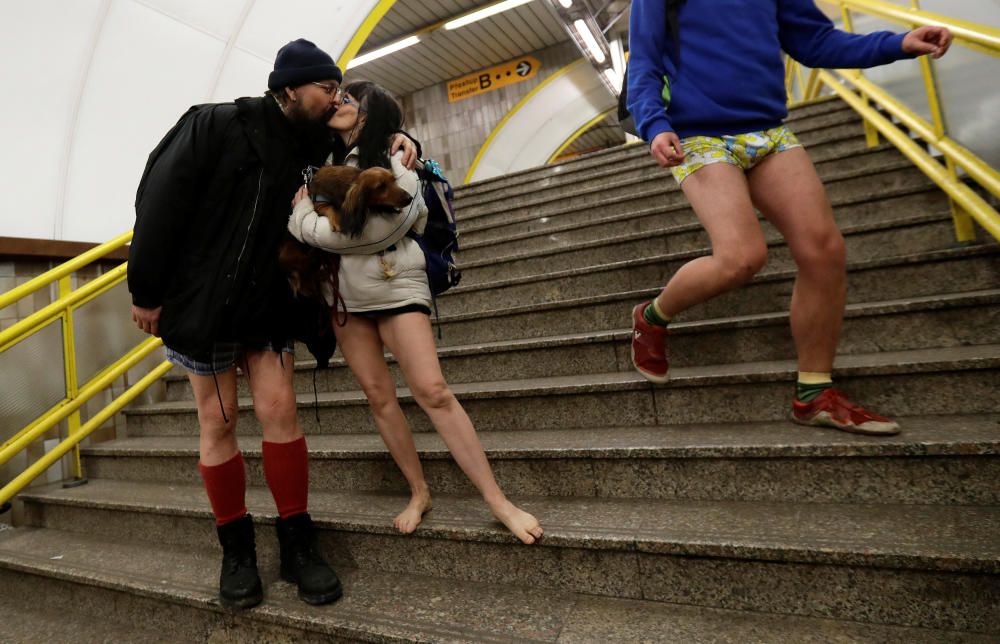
(346,196)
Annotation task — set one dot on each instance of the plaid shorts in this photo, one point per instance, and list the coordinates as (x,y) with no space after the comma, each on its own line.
(741,150)
(225,356)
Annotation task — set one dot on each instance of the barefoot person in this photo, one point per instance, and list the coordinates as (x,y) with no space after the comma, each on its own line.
(388,302)
(706,89)
(210,212)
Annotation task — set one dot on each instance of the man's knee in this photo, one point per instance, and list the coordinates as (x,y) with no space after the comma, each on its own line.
(275,407)
(824,249)
(740,265)
(217,419)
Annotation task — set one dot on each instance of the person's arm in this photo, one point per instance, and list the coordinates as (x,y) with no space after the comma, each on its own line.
(164,203)
(410,147)
(648,40)
(380,232)
(810,37)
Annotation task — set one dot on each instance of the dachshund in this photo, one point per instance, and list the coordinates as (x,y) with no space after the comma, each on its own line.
(346,196)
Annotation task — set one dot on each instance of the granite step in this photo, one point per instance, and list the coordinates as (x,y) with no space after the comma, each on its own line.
(609,157)
(929,566)
(878,266)
(911,276)
(850,186)
(163,593)
(829,156)
(904,235)
(936,460)
(827,147)
(643,191)
(938,320)
(903,383)
(678,221)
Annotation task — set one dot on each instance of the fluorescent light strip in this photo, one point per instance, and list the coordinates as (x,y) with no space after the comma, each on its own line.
(476,16)
(588,39)
(566,3)
(383,51)
(613,78)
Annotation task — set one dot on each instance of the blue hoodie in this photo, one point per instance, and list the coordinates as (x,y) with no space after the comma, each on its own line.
(731,77)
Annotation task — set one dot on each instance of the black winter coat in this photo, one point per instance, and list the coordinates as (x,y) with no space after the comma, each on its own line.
(211,210)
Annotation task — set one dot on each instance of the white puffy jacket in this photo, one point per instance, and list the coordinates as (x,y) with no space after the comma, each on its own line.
(373,278)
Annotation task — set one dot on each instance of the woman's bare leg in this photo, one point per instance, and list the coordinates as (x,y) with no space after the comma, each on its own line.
(411,340)
(361,347)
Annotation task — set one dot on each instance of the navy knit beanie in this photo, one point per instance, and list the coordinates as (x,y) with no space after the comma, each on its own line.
(300,62)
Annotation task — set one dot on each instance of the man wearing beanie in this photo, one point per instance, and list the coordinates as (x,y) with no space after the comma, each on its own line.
(211,210)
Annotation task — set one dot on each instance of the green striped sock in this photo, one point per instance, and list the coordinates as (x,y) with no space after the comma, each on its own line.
(654,318)
(808,393)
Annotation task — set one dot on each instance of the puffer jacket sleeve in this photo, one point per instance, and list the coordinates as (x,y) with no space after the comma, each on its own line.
(379,233)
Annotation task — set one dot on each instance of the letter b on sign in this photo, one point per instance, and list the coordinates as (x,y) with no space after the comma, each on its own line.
(485,81)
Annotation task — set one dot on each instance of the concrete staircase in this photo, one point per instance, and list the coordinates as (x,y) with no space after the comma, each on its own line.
(691,512)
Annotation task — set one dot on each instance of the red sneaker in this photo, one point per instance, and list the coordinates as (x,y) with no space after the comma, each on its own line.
(833,409)
(649,347)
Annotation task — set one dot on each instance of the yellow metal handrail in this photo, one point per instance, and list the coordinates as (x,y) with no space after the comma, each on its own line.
(966,204)
(68,409)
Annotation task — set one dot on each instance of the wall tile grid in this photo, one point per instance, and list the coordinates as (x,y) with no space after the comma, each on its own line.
(452,133)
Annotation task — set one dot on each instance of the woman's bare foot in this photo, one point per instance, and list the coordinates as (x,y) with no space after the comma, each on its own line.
(408,520)
(524,526)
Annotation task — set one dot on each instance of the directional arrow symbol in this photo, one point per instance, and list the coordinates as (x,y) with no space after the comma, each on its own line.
(523,68)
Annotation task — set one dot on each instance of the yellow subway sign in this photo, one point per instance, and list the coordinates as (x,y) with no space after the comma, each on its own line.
(493,78)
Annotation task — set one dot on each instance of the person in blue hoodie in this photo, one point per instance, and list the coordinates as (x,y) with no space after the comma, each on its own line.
(706,88)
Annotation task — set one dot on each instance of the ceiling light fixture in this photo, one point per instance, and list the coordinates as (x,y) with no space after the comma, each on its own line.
(486,12)
(383,51)
(583,30)
(566,3)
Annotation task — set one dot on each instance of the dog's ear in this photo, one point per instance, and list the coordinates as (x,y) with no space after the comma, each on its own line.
(355,209)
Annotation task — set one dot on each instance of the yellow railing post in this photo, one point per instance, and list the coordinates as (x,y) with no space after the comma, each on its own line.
(871,134)
(964,229)
(69,363)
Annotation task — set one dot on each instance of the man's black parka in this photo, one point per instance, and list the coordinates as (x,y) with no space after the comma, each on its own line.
(211,210)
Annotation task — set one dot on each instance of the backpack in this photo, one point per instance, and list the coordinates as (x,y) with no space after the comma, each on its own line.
(439,240)
(625,119)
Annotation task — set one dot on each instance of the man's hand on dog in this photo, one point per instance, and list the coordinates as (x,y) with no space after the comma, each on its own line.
(147,319)
(409,150)
(666,149)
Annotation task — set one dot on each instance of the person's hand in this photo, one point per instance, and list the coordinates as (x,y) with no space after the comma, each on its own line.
(927,40)
(403,142)
(666,149)
(147,319)
(303,193)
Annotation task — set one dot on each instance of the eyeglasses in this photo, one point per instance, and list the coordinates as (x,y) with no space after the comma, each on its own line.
(331,90)
(345,99)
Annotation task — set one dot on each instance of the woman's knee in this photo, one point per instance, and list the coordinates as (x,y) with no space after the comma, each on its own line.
(434,394)
(381,394)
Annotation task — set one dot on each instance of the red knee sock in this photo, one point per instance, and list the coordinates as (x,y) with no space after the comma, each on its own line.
(286,468)
(226,485)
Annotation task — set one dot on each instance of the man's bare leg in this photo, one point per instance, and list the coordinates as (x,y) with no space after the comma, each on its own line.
(787,190)
(789,193)
(721,199)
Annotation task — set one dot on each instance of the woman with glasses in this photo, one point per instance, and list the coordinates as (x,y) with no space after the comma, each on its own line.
(388,301)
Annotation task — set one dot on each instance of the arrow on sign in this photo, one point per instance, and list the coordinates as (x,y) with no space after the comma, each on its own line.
(523,68)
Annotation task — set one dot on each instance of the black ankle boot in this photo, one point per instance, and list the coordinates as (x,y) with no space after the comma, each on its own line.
(302,564)
(239,583)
